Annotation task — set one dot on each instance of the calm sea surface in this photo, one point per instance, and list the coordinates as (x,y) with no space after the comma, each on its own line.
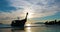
(31,28)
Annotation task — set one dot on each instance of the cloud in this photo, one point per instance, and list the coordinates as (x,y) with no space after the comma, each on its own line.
(44,8)
(5,6)
(37,8)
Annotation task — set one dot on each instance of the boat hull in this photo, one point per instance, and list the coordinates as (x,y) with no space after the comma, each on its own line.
(18,23)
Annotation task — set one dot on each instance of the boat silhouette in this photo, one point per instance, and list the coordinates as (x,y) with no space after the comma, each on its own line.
(19,23)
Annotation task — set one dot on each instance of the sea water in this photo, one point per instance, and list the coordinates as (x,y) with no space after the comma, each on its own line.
(31,28)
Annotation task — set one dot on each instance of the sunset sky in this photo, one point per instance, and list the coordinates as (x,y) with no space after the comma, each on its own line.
(39,10)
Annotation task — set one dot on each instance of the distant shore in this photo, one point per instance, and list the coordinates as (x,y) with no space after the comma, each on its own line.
(55,22)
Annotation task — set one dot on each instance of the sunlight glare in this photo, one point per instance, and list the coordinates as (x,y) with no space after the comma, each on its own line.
(30,15)
(30,12)
(28,29)
(28,24)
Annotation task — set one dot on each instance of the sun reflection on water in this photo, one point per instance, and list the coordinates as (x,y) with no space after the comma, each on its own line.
(28,29)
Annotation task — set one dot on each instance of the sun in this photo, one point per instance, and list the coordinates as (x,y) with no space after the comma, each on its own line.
(30,12)
(29,15)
